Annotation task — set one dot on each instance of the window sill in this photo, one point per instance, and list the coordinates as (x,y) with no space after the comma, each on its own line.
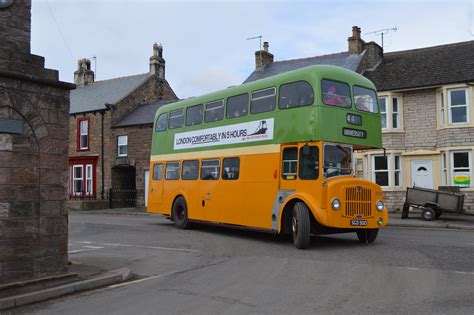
(83,149)
(393,131)
(456,126)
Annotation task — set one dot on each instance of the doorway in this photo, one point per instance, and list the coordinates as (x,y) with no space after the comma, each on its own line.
(422,173)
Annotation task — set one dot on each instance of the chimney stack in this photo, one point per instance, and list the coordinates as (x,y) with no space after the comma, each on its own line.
(355,42)
(84,75)
(263,57)
(157,63)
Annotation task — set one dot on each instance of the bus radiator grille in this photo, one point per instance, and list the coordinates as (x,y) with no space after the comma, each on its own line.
(358,202)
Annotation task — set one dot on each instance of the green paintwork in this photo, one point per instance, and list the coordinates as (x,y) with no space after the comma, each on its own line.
(315,122)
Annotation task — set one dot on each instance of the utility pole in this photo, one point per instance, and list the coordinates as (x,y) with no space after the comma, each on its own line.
(382,32)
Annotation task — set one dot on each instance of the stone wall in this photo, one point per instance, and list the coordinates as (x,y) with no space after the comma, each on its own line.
(33,177)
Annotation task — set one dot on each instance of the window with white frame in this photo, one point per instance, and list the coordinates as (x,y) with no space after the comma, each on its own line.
(381,170)
(390,111)
(395,112)
(83,134)
(383,111)
(387,171)
(458,106)
(397,174)
(461,168)
(441,108)
(77,180)
(122,145)
(89,188)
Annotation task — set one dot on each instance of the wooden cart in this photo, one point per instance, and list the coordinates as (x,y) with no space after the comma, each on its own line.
(432,202)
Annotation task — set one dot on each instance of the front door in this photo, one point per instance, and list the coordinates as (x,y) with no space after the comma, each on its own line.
(146,178)
(422,173)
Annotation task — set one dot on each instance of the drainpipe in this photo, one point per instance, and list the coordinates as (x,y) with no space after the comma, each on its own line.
(102,152)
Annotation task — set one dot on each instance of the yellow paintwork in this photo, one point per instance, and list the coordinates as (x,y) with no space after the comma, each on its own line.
(249,200)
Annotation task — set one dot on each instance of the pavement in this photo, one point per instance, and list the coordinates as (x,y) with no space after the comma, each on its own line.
(88,271)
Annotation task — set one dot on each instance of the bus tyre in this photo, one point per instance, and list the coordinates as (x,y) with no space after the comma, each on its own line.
(180,213)
(367,235)
(301,225)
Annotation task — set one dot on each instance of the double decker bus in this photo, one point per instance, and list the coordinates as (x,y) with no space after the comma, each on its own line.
(274,155)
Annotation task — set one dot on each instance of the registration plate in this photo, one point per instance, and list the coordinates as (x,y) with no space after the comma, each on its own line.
(358,222)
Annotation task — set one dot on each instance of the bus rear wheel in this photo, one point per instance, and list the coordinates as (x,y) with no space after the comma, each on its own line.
(301,225)
(367,235)
(180,213)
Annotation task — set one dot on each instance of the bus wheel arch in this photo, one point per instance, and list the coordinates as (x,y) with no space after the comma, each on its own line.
(287,210)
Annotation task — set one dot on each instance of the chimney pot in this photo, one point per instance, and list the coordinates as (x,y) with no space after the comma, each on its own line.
(157,63)
(265,46)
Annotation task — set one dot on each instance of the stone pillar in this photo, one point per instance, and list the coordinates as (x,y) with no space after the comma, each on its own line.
(34,112)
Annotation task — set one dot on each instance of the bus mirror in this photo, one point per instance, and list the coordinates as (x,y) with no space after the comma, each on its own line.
(306,150)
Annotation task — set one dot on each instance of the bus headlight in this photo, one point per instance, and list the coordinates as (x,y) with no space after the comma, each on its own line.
(379,204)
(336,204)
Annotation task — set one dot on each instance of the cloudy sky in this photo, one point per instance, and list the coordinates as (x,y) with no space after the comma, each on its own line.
(205,43)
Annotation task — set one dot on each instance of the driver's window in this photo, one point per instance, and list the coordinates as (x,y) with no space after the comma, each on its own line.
(309,162)
(290,163)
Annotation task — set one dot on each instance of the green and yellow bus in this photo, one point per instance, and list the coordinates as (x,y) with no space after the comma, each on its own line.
(274,155)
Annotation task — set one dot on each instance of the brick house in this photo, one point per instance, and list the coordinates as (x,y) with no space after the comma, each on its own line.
(425,97)
(110,137)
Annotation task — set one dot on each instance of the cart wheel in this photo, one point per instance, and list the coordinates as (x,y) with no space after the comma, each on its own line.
(438,214)
(428,214)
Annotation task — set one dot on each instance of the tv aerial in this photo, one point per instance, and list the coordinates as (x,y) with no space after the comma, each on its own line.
(382,32)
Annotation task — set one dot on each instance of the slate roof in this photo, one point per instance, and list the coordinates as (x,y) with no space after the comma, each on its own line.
(431,66)
(94,96)
(144,114)
(343,59)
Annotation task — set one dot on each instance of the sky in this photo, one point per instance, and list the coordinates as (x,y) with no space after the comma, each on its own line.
(205,42)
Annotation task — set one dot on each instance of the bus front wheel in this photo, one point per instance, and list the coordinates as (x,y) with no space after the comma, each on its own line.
(180,213)
(367,235)
(301,225)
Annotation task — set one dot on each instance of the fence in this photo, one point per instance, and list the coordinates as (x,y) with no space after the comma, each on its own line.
(122,198)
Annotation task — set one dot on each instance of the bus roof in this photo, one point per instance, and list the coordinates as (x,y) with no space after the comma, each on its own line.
(321,71)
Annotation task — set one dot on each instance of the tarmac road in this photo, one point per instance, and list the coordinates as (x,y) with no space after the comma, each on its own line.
(213,270)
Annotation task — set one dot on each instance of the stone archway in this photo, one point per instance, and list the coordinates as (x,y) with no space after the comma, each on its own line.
(123,193)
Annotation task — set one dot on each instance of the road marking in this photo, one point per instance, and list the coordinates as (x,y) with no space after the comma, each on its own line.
(437,270)
(93,247)
(140,246)
(82,250)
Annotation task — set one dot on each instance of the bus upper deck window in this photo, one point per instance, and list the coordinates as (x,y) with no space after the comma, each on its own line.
(161,122)
(214,111)
(290,163)
(194,115)
(295,94)
(176,119)
(335,93)
(237,106)
(263,101)
(365,99)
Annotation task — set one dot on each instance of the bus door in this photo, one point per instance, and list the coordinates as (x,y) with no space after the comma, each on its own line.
(231,191)
(209,189)
(289,167)
(155,196)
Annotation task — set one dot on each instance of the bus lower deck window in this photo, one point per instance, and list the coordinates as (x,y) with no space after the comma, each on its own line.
(158,171)
(290,163)
(309,162)
(172,170)
(210,169)
(190,170)
(230,168)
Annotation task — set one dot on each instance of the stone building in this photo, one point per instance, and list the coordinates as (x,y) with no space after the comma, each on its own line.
(425,96)
(109,149)
(34,107)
